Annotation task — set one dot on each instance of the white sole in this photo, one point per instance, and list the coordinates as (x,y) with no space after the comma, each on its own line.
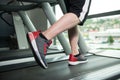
(77,62)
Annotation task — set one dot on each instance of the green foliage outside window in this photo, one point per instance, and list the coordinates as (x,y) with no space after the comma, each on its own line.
(110,40)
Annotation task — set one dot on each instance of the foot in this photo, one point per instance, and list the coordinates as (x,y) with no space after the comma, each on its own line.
(75,60)
(39,47)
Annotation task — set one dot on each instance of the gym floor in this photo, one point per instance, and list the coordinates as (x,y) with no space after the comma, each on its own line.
(61,71)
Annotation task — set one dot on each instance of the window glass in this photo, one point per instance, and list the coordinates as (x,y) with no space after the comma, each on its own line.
(100,6)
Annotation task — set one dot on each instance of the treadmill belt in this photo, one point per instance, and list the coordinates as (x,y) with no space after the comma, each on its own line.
(101,74)
(61,71)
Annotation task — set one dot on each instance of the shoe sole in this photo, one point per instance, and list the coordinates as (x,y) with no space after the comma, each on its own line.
(33,45)
(76,63)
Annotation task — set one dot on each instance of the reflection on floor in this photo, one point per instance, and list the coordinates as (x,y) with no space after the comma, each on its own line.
(107,53)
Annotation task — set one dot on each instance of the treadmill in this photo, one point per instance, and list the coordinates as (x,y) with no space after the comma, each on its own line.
(20,62)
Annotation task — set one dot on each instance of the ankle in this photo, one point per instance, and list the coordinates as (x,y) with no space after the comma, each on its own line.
(48,37)
(43,36)
(75,52)
(77,55)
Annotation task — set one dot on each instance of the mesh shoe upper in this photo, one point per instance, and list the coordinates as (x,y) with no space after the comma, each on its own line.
(39,46)
(78,58)
(74,60)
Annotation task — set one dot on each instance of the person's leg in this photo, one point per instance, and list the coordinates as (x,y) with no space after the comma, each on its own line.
(73,39)
(75,56)
(68,21)
(81,9)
